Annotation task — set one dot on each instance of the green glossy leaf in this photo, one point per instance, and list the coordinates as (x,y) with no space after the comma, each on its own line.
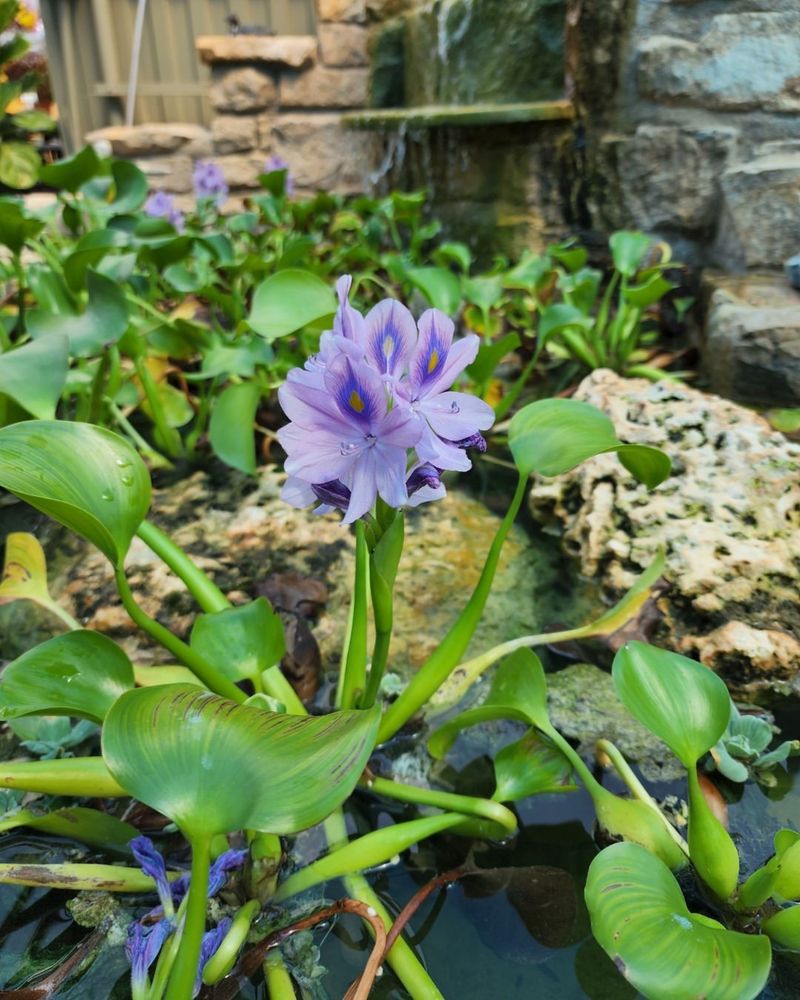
(552,436)
(568,253)
(34,121)
(288,301)
(784,928)
(640,919)
(787,858)
(231,429)
(628,250)
(485,291)
(529,273)
(684,703)
(90,826)
(439,286)
(489,357)
(556,318)
(456,253)
(214,766)
(103,322)
(531,766)
(241,642)
(687,706)
(130,187)
(105,504)
(33,375)
(20,165)
(15,226)
(90,249)
(79,673)
(71,173)
(647,292)
(518,691)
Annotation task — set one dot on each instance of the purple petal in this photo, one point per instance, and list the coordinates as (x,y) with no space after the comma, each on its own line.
(228,861)
(317,457)
(432,349)
(363,487)
(298,493)
(348,321)
(390,474)
(152,864)
(208,947)
(442,454)
(143,945)
(391,333)
(456,415)
(358,392)
(401,427)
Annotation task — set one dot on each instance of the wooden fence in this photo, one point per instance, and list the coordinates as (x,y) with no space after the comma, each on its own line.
(89,48)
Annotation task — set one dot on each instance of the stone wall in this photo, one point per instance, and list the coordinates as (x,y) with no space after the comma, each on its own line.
(691,116)
(271,96)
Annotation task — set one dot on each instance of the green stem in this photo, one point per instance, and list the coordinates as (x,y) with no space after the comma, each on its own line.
(181,982)
(377,667)
(76,776)
(202,588)
(98,388)
(222,961)
(637,789)
(374,848)
(208,674)
(467,804)
(156,458)
(276,975)
(168,437)
(405,964)
(19,272)
(355,664)
(436,669)
(277,686)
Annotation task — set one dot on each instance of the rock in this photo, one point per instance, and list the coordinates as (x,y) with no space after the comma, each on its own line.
(242,170)
(342,44)
(169,173)
(240,532)
(743,62)
(668,177)
(387,87)
(727,518)
(324,88)
(150,140)
(292,51)
(234,133)
(320,154)
(761,220)
(751,340)
(341,10)
(584,706)
(244,88)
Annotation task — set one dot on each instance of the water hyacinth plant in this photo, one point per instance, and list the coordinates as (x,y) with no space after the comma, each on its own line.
(227,751)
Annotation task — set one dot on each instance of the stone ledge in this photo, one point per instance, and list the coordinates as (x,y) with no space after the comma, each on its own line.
(294,51)
(433,115)
(150,140)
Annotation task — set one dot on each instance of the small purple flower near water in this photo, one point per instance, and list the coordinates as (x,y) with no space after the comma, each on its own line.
(152,864)
(160,205)
(209,182)
(278,163)
(373,413)
(142,947)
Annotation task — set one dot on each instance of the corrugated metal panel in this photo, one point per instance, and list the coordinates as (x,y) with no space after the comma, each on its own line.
(89,46)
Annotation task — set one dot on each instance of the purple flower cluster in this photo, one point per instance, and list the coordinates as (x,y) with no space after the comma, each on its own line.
(160,205)
(209,182)
(147,935)
(373,413)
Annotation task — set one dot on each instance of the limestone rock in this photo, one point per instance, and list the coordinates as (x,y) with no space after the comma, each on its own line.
(149,140)
(234,133)
(320,154)
(324,88)
(751,340)
(342,44)
(761,220)
(668,177)
(244,88)
(727,517)
(745,61)
(341,10)
(292,51)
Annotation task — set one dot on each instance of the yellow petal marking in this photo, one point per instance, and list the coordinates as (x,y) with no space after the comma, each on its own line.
(433,361)
(356,402)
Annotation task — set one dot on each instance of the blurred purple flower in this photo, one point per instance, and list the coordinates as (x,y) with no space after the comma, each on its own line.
(377,388)
(211,941)
(142,947)
(209,182)
(152,864)
(275,163)
(160,205)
